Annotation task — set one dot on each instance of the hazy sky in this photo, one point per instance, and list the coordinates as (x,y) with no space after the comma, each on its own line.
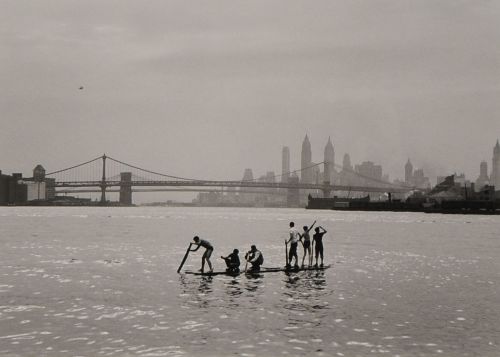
(208,88)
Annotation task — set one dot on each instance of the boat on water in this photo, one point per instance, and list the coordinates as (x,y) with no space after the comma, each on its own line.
(262,270)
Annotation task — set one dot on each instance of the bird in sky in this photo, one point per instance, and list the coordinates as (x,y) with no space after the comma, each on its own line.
(81,87)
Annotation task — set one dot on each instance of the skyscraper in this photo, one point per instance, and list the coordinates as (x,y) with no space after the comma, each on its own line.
(346,163)
(483,178)
(408,173)
(306,174)
(495,169)
(285,164)
(329,159)
(346,176)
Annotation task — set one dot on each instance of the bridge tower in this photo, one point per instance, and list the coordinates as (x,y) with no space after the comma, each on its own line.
(126,188)
(103,180)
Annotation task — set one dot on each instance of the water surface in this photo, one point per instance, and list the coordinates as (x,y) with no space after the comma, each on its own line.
(103,282)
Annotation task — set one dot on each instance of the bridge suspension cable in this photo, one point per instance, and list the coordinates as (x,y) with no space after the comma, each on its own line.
(153,172)
(74,167)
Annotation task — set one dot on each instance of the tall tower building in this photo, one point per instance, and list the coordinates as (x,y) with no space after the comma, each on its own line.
(329,159)
(483,178)
(408,173)
(495,169)
(285,164)
(306,175)
(346,176)
(346,163)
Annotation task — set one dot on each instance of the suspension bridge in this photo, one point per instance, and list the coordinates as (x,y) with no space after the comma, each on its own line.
(106,174)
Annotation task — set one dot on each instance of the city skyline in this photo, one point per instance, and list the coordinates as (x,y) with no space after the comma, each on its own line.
(329,151)
(210,89)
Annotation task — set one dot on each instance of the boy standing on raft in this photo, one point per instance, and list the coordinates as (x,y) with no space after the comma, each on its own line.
(293,240)
(306,243)
(208,252)
(318,241)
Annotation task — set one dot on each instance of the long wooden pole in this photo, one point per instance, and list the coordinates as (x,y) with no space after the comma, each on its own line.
(311,252)
(286,253)
(246,264)
(185,257)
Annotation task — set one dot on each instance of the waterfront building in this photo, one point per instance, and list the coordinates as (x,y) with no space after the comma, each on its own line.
(483,178)
(13,189)
(4,188)
(35,190)
(41,187)
(50,188)
(447,190)
(306,174)
(329,159)
(285,164)
(495,169)
(39,173)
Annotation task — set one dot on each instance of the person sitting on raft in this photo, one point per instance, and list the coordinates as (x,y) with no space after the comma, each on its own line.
(255,258)
(232,262)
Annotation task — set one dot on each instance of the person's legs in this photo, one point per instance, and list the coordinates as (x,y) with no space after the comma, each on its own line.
(304,256)
(202,263)
(295,254)
(208,253)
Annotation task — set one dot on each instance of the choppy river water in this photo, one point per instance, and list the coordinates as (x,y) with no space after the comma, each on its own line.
(103,282)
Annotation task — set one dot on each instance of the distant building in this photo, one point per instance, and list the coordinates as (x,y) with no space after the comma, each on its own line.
(346,176)
(420,181)
(12,189)
(483,178)
(50,188)
(369,173)
(409,173)
(416,178)
(346,163)
(306,174)
(39,173)
(440,179)
(285,164)
(329,159)
(460,180)
(495,169)
(211,198)
(447,190)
